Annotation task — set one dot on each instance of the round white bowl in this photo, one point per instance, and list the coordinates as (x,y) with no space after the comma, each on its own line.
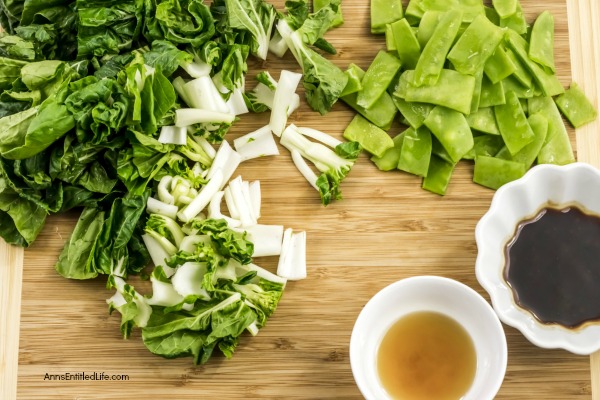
(513,202)
(437,294)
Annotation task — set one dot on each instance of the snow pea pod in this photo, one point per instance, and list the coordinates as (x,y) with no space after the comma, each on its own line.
(511,84)
(390,43)
(453,90)
(414,113)
(378,77)
(484,145)
(547,82)
(484,120)
(541,42)
(416,151)
(433,57)
(515,22)
(389,160)
(528,154)
(494,172)
(371,138)
(477,91)
(498,66)
(427,24)
(576,106)
(469,8)
(407,45)
(452,130)
(491,94)
(513,125)
(521,73)
(382,113)
(475,46)
(557,146)
(355,75)
(385,12)
(505,8)
(438,176)
(492,15)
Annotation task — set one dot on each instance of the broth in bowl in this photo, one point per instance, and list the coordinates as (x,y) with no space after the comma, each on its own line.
(426,355)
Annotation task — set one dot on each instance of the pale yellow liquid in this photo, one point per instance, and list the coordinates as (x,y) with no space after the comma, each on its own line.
(426,356)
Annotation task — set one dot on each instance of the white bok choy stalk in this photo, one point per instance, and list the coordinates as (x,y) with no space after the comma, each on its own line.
(203,94)
(226,160)
(154,206)
(333,164)
(262,96)
(197,68)
(267,239)
(203,198)
(190,116)
(278,45)
(163,292)
(259,143)
(125,295)
(236,103)
(282,102)
(173,135)
(292,262)
(214,210)
(187,281)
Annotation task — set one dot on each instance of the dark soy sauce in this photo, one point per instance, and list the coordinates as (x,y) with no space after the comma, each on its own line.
(553,266)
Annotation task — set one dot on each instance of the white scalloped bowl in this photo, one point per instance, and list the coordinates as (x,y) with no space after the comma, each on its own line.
(512,203)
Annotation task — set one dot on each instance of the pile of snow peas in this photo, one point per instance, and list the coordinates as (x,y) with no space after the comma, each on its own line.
(471,82)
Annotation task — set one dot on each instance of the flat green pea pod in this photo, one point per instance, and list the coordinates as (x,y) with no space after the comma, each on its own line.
(389,160)
(438,176)
(528,154)
(484,145)
(416,151)
(492,15)
(484,120)
(469,8)
(414,113)
(475,46)
(511,84)
(355,75)
(492,94)
(557,146)
(378,77)
(520,73)
(516,22)
(390,43)
(433,57)
(384,12)
(371,138)
(406,44)
(427,24)
(576,106)
(477,91)
(513,125)
(541,42)
(494,172)
(438,150)
(547,82)
(505,8)
(382,113)
(498,66)
(453,90)
(452,130)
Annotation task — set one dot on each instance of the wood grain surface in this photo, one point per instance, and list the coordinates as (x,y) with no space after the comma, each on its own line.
(386,228)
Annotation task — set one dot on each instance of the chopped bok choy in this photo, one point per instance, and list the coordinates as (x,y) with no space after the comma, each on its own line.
(333,162)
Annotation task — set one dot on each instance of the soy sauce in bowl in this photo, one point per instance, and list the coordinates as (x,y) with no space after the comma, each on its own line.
(553,266)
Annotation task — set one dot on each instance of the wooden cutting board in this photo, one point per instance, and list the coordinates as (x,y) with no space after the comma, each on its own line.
(386,228)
